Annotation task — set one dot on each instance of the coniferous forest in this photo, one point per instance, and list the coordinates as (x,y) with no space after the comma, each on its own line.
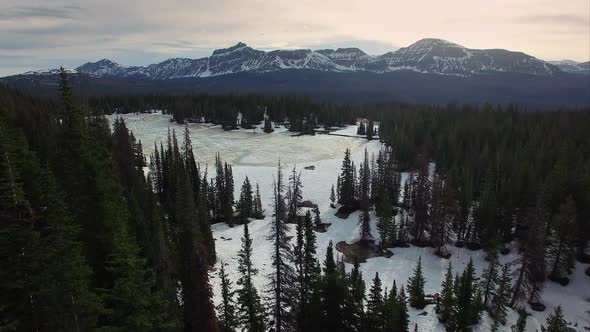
(97,235)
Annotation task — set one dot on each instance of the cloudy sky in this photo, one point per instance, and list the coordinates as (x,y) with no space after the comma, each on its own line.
(38,34)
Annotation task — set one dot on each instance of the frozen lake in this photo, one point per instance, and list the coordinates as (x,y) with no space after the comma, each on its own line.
(242,147)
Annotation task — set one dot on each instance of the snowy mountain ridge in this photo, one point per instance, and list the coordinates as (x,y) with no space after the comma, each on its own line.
(572,66)
(428,55)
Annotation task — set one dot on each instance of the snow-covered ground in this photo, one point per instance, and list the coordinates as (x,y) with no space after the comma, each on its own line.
(255,154)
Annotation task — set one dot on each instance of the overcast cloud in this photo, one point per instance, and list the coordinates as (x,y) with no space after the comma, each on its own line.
(37,34)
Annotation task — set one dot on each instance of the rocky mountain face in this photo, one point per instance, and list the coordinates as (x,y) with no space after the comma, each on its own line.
(434,56)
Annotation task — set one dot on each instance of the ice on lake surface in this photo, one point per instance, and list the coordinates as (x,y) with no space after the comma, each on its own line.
(240,147)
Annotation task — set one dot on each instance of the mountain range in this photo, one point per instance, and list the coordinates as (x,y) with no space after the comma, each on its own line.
(571,66)
(428,71)
(429,55)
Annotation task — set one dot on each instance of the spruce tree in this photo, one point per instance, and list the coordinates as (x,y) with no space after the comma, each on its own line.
(499,304)
(466,310)
(444,307)
(227,315)
(281,287)
(561,251)
(346,186)
(317,220)
(294,194)
(421,195)
(370,129)
(258,211)
(133,303)
(374,319)
(386,223)
(354,302)
(364,226)
(332,197)
(416,287)
(250,313)
(490,278)
(333,294)
(520,324)
(245,206)
(555,322)
(404,317)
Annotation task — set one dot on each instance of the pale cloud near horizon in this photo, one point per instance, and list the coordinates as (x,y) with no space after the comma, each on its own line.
(44,34)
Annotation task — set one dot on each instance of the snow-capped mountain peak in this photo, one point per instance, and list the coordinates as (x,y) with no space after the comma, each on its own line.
(429,55)
(103,67)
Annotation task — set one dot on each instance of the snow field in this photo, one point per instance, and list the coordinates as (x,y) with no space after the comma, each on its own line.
(256,155)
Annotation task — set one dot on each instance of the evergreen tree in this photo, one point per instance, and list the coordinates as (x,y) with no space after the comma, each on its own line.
(446,300)
(251,313)
(135,306)
(227,315)
(561,251)
(386,223)
(354,303)
(490,278)
(268,125)
(365,226)
(44,279)
(307,274)
(499,304)
(294,195)
(421,194)
(332,197)
(530,273)
(466,312)
(282,279)
(258,212)
(365,182)
(416,287)
(245,206)
(404,317)
(521,322)
(369,130)
(374,319)
(346,195)
(227,200)
(317,220)
(361,129)
(555,322)
(333,294)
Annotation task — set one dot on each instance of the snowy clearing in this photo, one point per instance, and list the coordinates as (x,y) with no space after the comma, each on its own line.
(255,154)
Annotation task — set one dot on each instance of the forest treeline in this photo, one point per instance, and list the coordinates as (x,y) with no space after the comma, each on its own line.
(90,242)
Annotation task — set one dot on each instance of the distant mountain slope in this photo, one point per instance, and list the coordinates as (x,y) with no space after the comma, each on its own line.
(533,91)
(435,56)
(572,66)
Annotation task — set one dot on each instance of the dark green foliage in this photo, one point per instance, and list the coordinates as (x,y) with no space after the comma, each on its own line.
(227,315)
(333,294)
(250,310)
(416,287)
(444,307)
(346,196)
(281,286)
(520,324)
(245,205)
(555,322)
(561,251)
(374,320)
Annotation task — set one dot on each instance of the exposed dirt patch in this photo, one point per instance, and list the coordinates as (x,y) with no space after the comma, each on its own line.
(307,204)
(322,228)
(361,251)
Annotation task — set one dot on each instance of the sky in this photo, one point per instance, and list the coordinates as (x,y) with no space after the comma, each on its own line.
(42,34)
